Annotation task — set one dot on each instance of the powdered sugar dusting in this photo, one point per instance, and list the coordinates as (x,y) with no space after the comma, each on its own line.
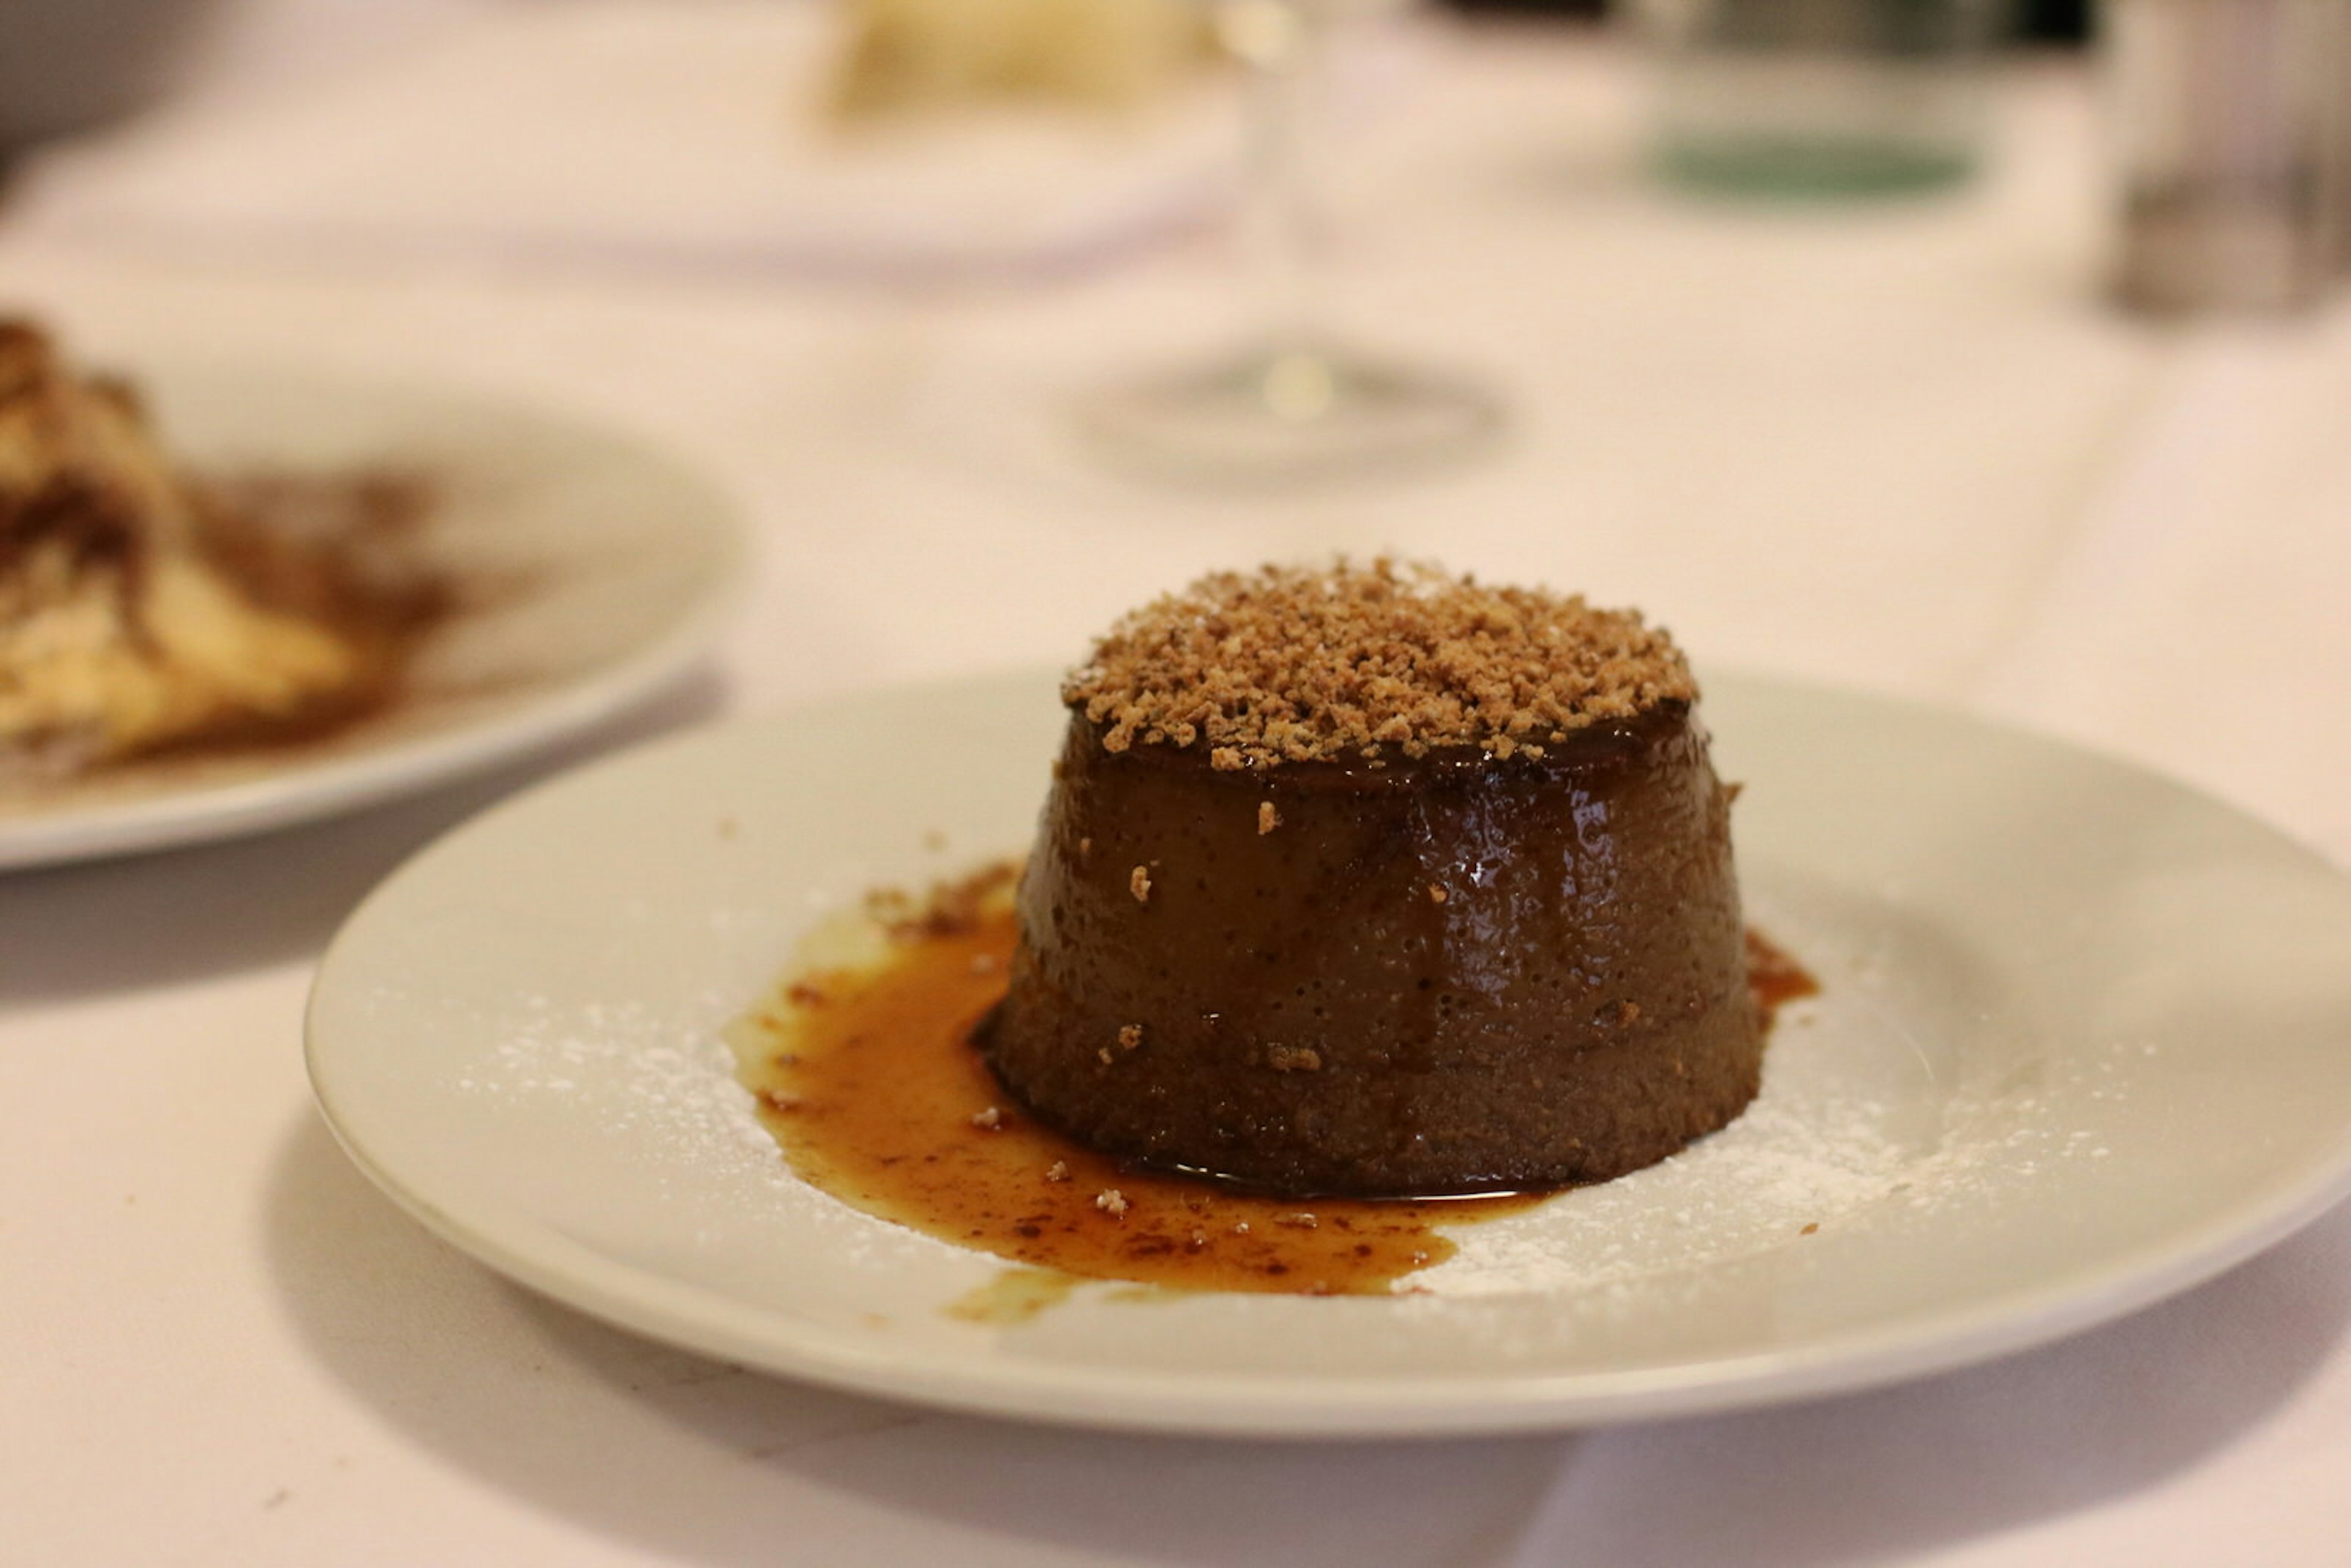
(629,1074)
(1785,1165)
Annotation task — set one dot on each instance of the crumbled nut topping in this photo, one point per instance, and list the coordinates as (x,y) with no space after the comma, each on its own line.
(987,1121)
(1110,1201)
(1058,1171)
(1138,882)
(1267,818)
(1296,665)
(1436,893)
(1130,1036)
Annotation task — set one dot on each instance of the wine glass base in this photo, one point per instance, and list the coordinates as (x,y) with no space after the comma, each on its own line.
(1292,413)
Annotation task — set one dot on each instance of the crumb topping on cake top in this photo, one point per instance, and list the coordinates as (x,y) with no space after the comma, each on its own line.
(1312,663)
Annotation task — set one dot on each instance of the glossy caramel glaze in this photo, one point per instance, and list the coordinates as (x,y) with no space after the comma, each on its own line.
(1457,973)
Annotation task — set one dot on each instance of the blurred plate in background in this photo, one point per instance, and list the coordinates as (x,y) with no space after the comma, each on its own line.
(607,568)
(619,134)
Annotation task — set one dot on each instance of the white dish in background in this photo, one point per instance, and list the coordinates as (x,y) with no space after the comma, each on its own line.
(2080,1046)
(688,135)
(607,569)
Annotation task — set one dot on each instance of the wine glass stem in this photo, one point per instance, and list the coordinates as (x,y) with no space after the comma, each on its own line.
(1275,40)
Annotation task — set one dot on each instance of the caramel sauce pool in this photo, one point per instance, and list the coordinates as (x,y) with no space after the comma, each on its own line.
(1774,978)
(865,1075)
(869,1082)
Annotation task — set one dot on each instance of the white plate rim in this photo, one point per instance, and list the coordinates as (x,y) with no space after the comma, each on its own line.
(707,1322)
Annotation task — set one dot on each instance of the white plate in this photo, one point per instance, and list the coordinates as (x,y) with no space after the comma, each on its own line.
(617,569)
(2081,1045)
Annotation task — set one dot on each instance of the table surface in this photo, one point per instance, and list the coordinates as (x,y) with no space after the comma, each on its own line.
(1904,447)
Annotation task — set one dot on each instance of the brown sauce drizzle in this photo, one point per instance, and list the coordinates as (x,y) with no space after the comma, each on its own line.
(867,1078)
(1774,978)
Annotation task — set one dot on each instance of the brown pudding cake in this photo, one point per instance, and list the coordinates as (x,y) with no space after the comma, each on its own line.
(1375,881)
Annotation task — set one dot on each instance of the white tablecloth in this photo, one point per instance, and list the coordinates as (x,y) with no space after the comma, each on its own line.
(1904,447)
(689,136)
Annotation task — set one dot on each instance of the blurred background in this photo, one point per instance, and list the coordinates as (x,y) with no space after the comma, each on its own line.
(2060,21)
(68,64)
(1952,347)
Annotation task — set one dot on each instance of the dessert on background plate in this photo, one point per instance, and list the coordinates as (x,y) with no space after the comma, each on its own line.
(255,593)
(142,609)
(906,56)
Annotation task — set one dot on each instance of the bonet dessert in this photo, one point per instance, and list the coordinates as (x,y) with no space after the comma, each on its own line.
(1371,880)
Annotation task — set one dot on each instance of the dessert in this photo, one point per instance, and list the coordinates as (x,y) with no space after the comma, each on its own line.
(1373,881)
(139,610)
(905,55)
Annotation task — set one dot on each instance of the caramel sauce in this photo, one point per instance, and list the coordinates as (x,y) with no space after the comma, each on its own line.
(866,1076)
(1774,978)
(1014,1296)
